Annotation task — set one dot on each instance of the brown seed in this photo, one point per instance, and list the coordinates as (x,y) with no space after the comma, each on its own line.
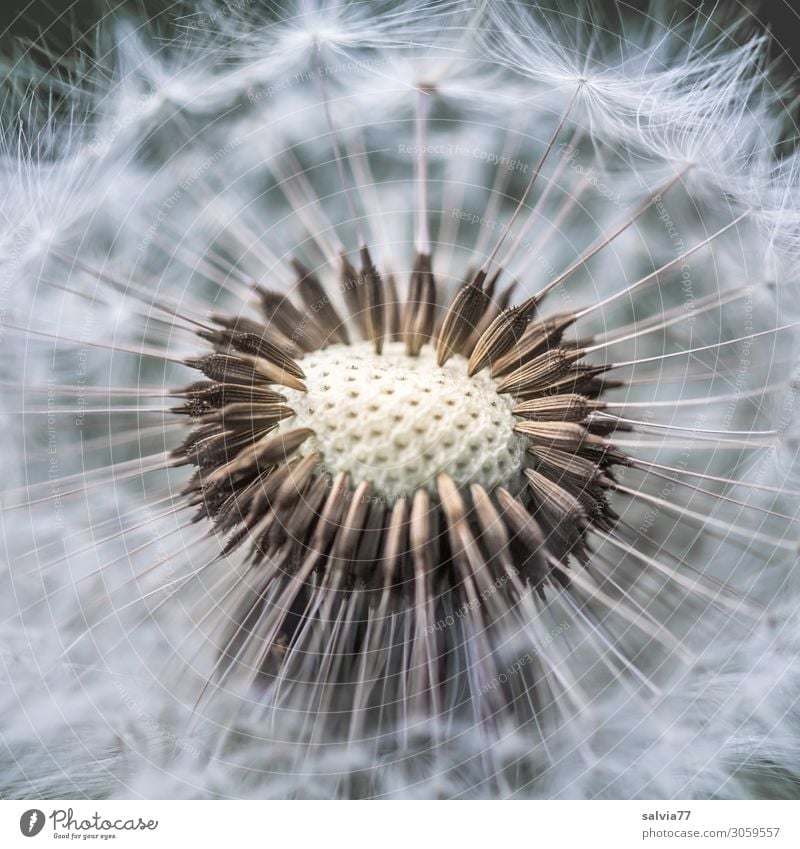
(422,531)
(282,314)
(396,546)
(224,368)
(352,526)
(351,290)
(503,333)
(268,451)
(565,436)
(557,408)
(274,373)
(243,414)
(419,311)
(540,372)
(460,320)
(557,463)
(372,301)
(563,509)
(331,513)
(392,307)
(320,305)
(246,325)
(524,527)
(538,337)
(254,344)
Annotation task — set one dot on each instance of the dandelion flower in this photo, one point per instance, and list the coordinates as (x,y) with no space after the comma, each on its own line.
(406,400)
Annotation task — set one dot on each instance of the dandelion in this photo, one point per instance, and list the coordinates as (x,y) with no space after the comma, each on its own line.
(407,401)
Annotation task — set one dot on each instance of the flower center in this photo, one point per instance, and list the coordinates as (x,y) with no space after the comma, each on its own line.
(398,421)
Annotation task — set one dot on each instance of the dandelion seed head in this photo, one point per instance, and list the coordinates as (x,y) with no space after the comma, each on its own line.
(399,421)
(496,501)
